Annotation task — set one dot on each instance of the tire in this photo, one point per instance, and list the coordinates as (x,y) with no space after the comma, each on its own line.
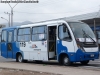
(84,62)
(66,61)
(19,58)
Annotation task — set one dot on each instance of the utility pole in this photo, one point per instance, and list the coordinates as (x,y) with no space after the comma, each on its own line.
(9,17)
(12,13)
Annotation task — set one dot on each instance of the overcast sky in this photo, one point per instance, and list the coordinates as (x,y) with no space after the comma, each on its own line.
(49,9)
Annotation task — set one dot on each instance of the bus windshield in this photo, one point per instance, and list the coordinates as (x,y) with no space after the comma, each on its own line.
(98,34)
(78,28)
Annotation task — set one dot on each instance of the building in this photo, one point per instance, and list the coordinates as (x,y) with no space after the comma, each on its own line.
(92,19)
(88,18)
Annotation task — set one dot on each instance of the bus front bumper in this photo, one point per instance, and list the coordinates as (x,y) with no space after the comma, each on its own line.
(83,56)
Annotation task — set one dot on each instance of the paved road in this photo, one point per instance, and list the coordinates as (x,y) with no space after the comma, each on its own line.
(92,64)
(53,67)
(5,60)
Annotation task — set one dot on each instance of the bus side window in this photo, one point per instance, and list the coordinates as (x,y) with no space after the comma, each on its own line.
(10,34)
(64,33)
(39,33)
(24,34)
(3,38)
(27,34)
(15,34)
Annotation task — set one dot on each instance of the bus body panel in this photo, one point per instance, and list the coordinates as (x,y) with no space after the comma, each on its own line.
(35,50)
(16,49)
(4,50)
(67,48)
(82,56)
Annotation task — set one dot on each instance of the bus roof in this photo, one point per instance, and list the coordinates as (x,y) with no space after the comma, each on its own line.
(39,23)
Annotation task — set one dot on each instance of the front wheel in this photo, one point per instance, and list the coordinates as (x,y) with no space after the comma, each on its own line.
(66,61)
(84,62)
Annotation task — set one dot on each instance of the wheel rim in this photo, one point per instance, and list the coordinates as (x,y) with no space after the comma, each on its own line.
(66,60)
(20,58)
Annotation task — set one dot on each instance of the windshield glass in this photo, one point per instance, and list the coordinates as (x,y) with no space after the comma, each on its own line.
(78,28)
(98,34)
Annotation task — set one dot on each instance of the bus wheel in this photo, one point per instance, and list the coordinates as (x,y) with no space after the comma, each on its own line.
(84,62)
(19,58)
(66,61)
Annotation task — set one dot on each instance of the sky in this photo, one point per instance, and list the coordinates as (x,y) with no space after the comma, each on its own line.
(48,9)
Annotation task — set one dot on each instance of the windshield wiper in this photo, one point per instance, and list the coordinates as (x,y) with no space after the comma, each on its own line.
(88,36)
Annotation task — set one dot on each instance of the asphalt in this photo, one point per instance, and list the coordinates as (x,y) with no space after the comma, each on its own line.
(93,68)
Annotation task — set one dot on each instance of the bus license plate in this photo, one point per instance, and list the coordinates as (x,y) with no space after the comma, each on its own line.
(92,55)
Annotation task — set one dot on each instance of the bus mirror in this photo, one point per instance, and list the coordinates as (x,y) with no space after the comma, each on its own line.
(64,29)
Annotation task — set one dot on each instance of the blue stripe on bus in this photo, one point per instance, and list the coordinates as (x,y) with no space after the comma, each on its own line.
(75,56)
(10,54)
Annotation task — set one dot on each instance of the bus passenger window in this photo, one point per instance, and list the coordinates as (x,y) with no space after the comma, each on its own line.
(4,35)
(10,34)
(24,34)
(15,34)
(39,33)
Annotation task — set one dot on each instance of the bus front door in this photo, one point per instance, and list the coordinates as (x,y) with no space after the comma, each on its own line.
(10,44)
(52,41)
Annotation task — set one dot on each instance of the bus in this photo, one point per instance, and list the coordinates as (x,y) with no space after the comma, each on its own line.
(59,40)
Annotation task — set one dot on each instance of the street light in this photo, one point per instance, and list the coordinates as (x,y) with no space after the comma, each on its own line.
(5,19)
(9,17)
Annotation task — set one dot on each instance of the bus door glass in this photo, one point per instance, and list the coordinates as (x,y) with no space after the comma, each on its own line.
(52,41)
(10,44)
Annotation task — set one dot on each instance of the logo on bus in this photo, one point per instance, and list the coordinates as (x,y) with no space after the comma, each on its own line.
(34,46)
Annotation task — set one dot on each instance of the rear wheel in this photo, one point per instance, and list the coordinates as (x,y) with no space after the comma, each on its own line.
(84,62)
(19,58)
